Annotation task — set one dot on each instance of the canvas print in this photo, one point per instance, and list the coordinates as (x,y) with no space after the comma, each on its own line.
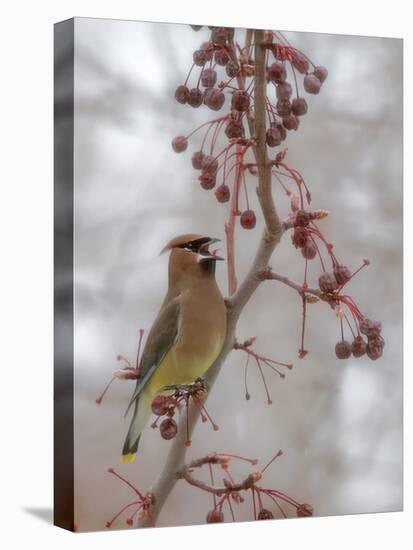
(228,252)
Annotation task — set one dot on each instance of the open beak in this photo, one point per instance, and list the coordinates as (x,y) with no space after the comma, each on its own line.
(204,253)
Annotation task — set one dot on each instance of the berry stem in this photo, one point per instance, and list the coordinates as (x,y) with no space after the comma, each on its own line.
(253,502)
(276,503)
(277,454)
(302,352)
(230,225)
(102,395)
(269,401)
(349,325)
(110,523)
(134,489)
(211,475)
(231,509)
(189,74)
(247,393)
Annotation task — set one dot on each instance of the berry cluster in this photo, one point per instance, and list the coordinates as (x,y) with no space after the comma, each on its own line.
(287,108)
(261,361)
(128,371)
(265,503)
(283,111)
(309,239)
(141,506)
(166,406)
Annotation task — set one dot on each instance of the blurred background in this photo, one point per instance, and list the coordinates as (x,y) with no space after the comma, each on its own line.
(339,423)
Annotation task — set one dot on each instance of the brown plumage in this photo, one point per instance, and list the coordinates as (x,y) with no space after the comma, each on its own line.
(188,333)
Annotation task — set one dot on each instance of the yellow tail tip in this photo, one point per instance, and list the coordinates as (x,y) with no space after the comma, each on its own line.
(130,457)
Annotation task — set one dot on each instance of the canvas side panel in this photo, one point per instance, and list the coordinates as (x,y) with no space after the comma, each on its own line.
(63,271)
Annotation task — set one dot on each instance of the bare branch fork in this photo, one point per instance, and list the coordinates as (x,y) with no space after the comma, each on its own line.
(271,237)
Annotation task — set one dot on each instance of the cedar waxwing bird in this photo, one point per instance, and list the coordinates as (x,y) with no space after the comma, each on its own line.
(187,335)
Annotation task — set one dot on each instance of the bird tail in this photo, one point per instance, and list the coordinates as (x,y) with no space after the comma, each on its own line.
(139,418)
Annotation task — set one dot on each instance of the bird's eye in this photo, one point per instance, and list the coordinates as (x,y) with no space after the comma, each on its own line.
(195,246)
(190,247)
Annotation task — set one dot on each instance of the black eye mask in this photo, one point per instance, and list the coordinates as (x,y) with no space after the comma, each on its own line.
(195,246)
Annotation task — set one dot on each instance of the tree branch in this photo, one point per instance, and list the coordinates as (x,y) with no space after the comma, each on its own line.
(269,275)
(264,169)
(269,240)
(228,488)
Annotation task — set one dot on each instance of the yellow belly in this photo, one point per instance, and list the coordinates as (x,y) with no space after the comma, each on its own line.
(182,368)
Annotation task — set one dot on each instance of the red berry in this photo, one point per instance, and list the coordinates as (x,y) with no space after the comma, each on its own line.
(248,219)
(302,218)
(309,250)
(312,84)
(197,158)
(358,346)
(181,94)
(304,510)
(299,106)
(342,274)
(282,131)
(375,347)
(277,73)
(327,282)
(234,129)
(273,136)
(215,516)
(208,48)
(299,237)
(284,90)
(220,35)
(370,328)
(179,144)
(265,514)
(161,405)
(209,164)
(240,101)
(221,57)
(300,62)
(321,73)
(199,57)
(291,122)
(222,193)
(195,97)
(207,180)
(129,521)
(168,428)
(283,107)
(231,69)
(208,78)
(214,98)
(343,349)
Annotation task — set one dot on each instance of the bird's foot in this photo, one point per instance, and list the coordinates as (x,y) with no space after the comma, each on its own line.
(200,385)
